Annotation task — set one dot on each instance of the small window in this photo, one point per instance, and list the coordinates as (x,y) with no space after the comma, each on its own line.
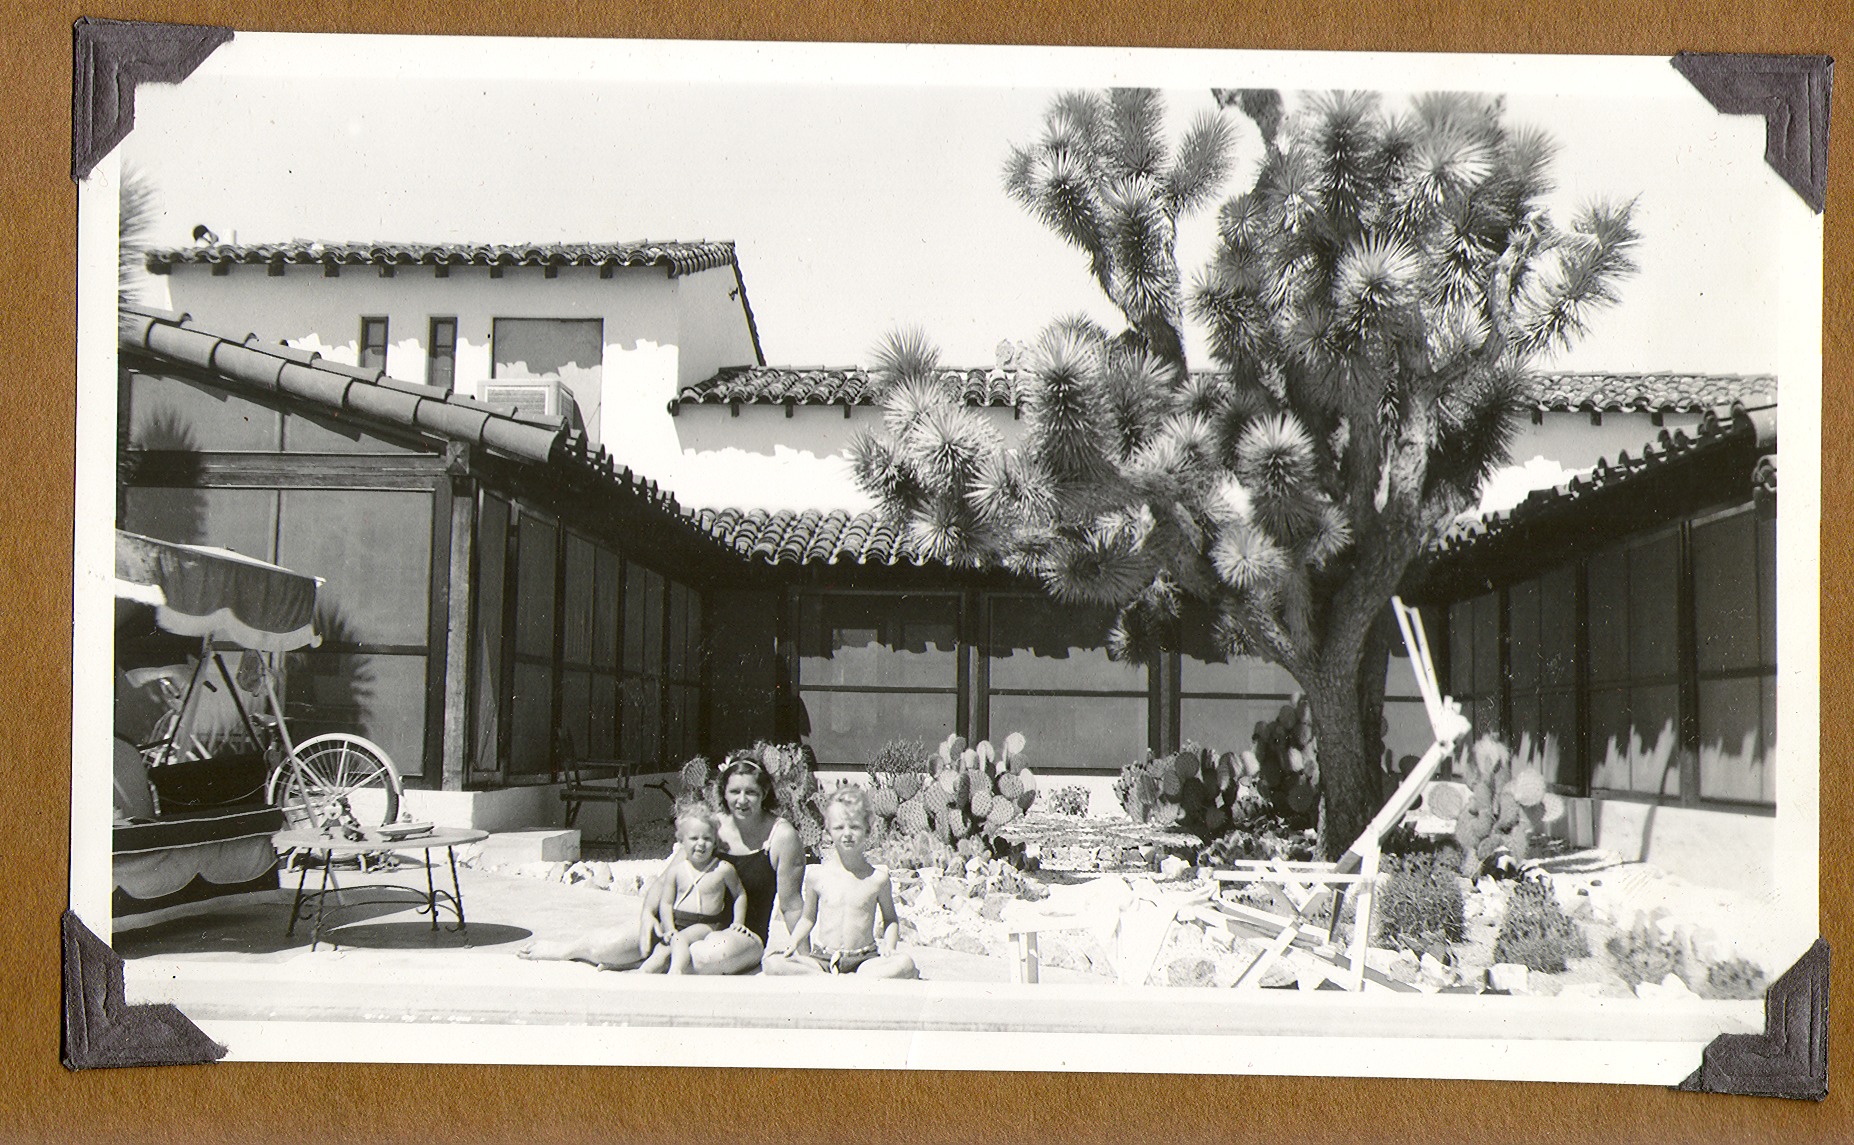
(373,344)
(441,357)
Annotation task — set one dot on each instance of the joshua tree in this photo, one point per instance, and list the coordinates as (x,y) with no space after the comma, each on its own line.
(1104,179)
(135,223)
(1372,304)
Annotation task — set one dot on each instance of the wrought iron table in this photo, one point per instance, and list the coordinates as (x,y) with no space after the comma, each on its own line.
(329,848)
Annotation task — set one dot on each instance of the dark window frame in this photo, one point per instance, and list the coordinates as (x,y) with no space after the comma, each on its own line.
(441,349)
(798,599)
(365,346)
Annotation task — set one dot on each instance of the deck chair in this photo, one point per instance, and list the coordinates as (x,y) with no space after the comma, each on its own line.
(580,789)
(1316,891)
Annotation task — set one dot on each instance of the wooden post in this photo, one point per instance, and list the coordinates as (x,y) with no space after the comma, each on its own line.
(456,722)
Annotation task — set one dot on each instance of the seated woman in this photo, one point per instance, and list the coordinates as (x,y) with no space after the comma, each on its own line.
(765,853)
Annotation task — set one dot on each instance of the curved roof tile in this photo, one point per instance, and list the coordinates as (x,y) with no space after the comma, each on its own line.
(679,257)
(808,536)
(1557,392)
(1718,427)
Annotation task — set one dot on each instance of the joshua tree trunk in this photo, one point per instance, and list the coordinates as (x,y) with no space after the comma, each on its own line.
(1350,790)
(1347,697)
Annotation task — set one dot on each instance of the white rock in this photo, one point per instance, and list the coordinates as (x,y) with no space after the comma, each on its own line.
(1310,977)
(1512,977)
(1173,867)
(1432,968)
(1405,968)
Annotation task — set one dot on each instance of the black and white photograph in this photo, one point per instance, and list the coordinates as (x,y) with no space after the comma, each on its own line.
(883,556)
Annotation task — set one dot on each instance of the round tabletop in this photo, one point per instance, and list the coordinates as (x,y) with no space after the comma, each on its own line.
(308,839)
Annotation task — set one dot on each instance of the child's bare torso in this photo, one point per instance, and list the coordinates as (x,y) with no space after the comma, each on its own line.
(701,891)
(847,905)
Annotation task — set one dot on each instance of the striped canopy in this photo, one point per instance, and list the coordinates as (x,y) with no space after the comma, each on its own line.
(219,594)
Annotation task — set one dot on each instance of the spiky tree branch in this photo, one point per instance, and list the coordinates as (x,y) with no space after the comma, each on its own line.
(1373,302)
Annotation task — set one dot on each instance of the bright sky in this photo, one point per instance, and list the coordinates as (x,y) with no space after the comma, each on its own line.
(860,206)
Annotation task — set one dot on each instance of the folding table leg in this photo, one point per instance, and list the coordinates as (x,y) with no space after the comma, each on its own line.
(456,890)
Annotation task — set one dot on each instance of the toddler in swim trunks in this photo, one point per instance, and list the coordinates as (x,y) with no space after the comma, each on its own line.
(701,894)
(843,897)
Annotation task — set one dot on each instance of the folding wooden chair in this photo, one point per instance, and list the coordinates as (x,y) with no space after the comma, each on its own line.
(580,790)
(1314,889)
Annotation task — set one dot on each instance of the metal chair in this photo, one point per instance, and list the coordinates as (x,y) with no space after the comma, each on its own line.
(580,790)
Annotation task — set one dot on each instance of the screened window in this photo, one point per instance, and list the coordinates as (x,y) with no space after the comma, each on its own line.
(170,414)
(576,636)
(1050,678)
(373,344)
(1734,573)
(640,718)
(531,714)
(1634,670)
(441,354)
(487,667)
(1542,647)
(1474,660)
(1222,698)
(373,550)
(683,675)
(874,668)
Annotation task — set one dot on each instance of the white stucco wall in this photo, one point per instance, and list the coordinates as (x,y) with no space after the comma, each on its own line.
(660,333)
(761,459)
(765,460)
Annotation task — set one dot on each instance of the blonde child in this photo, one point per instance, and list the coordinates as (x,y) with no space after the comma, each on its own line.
(843,896)
(701,894)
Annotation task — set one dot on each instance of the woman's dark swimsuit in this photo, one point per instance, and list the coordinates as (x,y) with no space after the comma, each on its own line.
(761,884)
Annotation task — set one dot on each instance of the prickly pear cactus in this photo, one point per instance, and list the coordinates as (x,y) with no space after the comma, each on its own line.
(1508,806)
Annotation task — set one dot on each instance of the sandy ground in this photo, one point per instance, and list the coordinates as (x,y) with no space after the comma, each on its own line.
(504,913)
(954,931)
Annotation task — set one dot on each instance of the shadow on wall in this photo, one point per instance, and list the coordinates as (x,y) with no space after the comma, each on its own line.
(1664,759)
(330,688)
(184,508)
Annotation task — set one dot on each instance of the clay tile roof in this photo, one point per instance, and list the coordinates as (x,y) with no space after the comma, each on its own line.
(162,337)
(809,536)
(1722,426)
(1563,392)
(842,385)
(678,257)
(1662,393)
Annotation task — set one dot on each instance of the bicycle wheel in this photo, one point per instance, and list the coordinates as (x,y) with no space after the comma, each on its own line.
(335,772)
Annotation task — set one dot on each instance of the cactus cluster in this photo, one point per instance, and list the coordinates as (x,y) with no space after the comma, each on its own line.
(793,770)
(1190,791)
(1284,764)
(1507,807)
(1199,792)
(964,798)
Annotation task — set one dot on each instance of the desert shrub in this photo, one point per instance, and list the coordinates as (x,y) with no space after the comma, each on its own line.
(1070,800)
(1258,839)
(1403,839)
(1644,954)
(902,757)
(1536,933)
(1419,904)
(1735,978)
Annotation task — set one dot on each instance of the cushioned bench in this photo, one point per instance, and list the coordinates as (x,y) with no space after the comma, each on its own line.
(190,833)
